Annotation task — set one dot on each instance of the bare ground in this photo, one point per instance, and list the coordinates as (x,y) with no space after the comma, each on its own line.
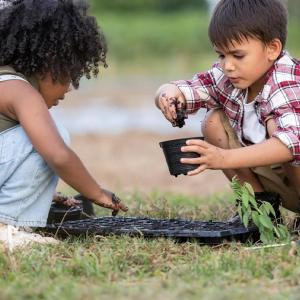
(133,161)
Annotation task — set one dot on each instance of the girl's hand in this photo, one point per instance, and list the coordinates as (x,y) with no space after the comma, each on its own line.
(211,157)
(111,201)
(65,200)
(168,99)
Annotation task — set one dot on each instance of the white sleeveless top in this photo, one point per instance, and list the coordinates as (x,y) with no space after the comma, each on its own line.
(5,77)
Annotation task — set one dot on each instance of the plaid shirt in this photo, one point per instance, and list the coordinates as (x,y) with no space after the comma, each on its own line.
(279,99)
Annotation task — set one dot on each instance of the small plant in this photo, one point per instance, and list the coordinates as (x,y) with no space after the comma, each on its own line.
(261,214)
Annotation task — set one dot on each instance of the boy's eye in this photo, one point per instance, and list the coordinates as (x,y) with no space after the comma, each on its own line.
(221,56)
(238,56)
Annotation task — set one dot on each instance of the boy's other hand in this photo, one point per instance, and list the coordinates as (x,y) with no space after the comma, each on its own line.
(211,157)
(168,99)
(111,201)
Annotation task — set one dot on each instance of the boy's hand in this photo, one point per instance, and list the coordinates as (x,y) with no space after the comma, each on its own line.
(169,99)
(211,157)
(111,201)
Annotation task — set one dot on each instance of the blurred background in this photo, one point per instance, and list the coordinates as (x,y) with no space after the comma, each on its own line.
(114,125)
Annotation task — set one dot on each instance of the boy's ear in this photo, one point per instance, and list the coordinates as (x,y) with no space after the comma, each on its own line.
(274,49)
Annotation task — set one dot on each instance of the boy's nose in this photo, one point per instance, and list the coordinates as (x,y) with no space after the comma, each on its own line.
(228,66)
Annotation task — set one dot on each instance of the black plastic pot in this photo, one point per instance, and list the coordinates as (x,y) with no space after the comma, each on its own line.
(61,213)
(173,154)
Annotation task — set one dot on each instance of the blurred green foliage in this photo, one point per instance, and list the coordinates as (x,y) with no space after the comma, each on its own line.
(148,37)
(157,42)
(100,6)
(158,35)
(294,8)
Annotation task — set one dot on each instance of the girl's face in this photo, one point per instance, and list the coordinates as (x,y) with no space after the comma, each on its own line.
(53,92)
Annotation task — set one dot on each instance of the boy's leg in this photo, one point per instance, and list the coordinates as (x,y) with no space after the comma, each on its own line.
(275,179)
(293,174)
(217,131)
(289,184)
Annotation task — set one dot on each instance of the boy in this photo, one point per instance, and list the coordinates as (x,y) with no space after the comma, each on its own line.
(252,94)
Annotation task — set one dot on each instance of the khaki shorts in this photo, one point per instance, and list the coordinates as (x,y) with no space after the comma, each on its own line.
(272,178)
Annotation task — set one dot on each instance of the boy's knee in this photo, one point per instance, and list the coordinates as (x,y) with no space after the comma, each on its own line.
(213,129)
(212,123)
(218,131)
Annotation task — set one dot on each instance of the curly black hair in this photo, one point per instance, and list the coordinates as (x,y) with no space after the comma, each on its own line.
(56,36)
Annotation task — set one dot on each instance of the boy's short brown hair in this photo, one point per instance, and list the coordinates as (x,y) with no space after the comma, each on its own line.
(233,20)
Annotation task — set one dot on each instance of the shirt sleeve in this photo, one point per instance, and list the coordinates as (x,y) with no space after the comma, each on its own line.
(201,90)
(285,104)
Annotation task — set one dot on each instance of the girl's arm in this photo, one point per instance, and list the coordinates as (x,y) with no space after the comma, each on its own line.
(22,102)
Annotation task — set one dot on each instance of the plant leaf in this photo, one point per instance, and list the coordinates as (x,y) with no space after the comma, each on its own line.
(255,218)
(265,221)
(246,220)
(263,237)
(252,200)
(284,233)
(239,209)
(277,232)
(264,208)
(249,188)
(245,199)
(270,208)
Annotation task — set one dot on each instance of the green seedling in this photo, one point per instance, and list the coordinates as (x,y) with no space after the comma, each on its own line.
(261,214)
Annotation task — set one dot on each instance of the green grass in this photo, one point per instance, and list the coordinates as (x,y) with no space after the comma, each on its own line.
(137,268)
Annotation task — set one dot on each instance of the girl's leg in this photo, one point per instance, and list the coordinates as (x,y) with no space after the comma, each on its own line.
(213,129)
(26,196)
(27,184)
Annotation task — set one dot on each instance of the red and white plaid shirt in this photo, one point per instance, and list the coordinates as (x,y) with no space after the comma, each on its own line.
(279,99)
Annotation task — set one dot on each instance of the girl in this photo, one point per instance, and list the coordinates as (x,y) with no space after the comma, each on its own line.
(46,47)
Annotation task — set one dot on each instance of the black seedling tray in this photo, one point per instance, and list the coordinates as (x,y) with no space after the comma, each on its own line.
(206,232)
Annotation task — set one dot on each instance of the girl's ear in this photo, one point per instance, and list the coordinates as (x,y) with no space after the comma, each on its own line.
(274,49)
